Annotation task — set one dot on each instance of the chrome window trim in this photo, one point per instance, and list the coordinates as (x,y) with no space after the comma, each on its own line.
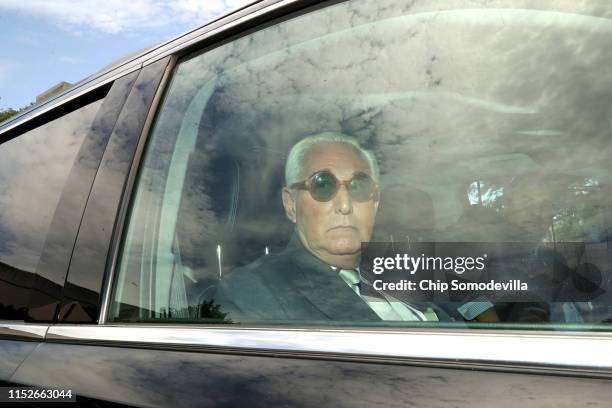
(23,331)
(72,95)
(208,31)
(107,285)
(562,351)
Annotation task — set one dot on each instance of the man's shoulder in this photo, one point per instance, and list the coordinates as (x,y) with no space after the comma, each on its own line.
(252,290)
(266,266)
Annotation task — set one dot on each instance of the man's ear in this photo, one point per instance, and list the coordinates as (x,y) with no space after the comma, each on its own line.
(289,204)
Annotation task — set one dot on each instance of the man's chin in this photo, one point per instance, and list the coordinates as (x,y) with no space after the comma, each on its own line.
(352,250)
(341,258)
(343,239)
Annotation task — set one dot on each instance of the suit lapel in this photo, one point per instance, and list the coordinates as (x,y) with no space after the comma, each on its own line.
(325,290)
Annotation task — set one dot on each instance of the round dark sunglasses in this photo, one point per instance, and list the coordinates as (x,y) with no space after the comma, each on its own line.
(323,186)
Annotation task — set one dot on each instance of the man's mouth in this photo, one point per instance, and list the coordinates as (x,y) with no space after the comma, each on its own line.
(341,227)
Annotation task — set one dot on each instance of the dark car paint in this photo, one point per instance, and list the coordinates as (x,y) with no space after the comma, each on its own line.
(56,254)
(85,277)
(12,354)
(162,378)
(47,283)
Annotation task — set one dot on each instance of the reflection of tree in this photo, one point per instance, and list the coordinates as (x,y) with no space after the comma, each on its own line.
(10,313)
(211,310)
(208,311)
(487,194)
(6,114)
(576,206)
(26,295)
(579,216)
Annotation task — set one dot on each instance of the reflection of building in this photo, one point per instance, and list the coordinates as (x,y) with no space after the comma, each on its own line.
(29,296)
(14,288)
(54,90)
(17,298)
(79,304)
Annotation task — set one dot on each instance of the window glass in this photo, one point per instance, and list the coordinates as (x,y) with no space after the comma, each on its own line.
(33,170)
(295,175)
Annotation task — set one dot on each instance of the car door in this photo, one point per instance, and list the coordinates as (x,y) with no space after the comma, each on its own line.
(484,132)
(49,158)
(93,122)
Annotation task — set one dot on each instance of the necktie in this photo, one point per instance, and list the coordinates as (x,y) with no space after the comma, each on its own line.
(351,277)
(386,307)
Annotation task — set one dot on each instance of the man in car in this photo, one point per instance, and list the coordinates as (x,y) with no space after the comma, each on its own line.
(331,196)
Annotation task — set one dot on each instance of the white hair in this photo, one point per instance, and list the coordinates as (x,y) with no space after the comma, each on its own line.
(298,152)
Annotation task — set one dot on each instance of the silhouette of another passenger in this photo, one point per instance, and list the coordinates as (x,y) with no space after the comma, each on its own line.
(405,214)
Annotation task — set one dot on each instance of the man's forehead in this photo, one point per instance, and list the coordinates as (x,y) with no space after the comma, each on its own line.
(338,157)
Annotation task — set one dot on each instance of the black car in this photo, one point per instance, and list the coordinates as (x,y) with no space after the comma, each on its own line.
(135,201)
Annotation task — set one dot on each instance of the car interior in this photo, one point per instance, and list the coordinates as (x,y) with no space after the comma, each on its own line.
(463,158)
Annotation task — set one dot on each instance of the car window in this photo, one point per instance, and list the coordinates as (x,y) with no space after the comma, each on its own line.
(307,173)
(34,167)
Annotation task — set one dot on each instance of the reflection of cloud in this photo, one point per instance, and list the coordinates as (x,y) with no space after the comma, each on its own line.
(13,353)
(142,377)
(113,16)
(457,81)
(463,91)
(441,102)
(33,170)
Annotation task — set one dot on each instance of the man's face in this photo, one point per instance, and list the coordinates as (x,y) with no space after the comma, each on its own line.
(332,230)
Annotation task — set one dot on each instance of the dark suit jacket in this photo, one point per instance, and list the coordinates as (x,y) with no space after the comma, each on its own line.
(290,286)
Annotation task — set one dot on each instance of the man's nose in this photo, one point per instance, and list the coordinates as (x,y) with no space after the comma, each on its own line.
(343,202)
